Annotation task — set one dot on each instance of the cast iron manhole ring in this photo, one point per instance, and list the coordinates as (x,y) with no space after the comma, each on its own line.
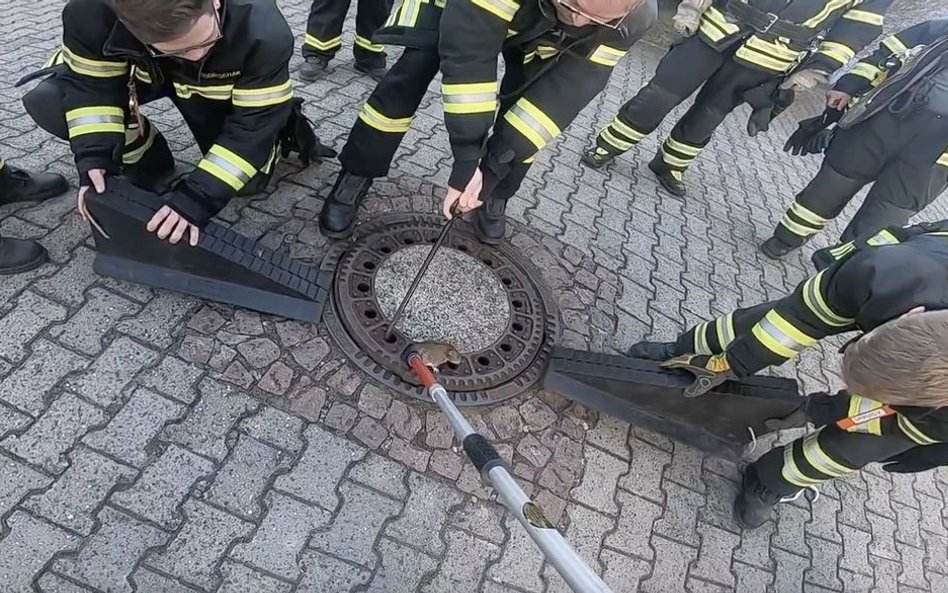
(514,363)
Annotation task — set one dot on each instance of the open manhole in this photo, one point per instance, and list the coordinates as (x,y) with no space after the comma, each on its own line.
(487,301)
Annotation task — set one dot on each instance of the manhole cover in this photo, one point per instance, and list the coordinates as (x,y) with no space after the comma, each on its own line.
(486,300)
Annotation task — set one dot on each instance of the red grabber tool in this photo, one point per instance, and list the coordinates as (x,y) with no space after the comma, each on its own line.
(496,474)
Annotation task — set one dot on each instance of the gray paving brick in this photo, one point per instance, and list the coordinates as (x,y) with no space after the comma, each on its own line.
(645,471)
(480,519)
(244,476)
(903,491)
(936,554)
(751,579)
(823,523)
(281,536)
(26,386)
(878,491)
(28,545)
(160,320)
(464,564)
(97,316)
(789,569)
(622,573)
(381,474)
(50,582)
(402,569)
(853,509)
(715,554)
(18,480)
(855,550)
(932,515)
(325,574)
(105,380)
(886,574)
(520,562)
(791,522)
(70,282)
(198,548)
(12,420)
(163,485)
(681,514)
(636,520)
(685,468)
(324,461)
(129,432)
(173,377)
(110,555)
(824,570)
(259,352)
(74,498)
(356,525)
(275,428)
(671,566)
(913,569)
(882,543)
(31,315)
(150,581)
(601,475)
(908,525)
(55,432)
(238,578)
(206,427)
(720,494)
(612,435)
(425,514)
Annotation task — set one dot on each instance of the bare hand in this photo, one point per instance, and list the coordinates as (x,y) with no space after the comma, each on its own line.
(170,225)
(837,99)
(97,177)
(467,200)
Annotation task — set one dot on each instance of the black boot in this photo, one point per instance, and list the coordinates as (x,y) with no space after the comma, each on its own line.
(674,185)
(20,255)
(657,351)
(597,157)
(257,185)
(375,69)
(338,216)
(774,248)
(153,172)
(823,258)
(754,503)
(17,185)
(313,67)
(490,223)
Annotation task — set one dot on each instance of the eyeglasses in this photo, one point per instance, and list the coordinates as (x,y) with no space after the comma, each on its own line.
(215,37)
(570,6)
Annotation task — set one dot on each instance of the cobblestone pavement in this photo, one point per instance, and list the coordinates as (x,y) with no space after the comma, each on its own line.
(152,442)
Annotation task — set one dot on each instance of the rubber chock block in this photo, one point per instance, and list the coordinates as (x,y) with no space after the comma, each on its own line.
(225,266)
(646,395)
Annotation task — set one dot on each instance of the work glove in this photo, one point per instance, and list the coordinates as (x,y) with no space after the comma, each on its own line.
(819,408)
(917,459)
(709,371)
(298,136)
(688,16)
(804,80)
(767,101)
(813,135)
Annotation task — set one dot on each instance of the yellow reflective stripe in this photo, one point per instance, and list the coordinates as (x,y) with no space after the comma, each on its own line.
(546,51)
(527,58)
(675,161)
(477,97)
(94,68)
(795,227)
(626,130)
(894,44)
(712,32)
(505,9)
(863,407)
(817,457)
(725,328)
(813,298)
(408,13)
(141,75)
(535,125)
(838,51)
(683,148)
(770,55)
(227,166)
(883,237)
(55,59)
(95,120)
(791,473)
(367,44)
(780,337)
(607,56)
(829,8)
(866,70)
(130,157)
(376,120)
(701,339)
(912,431)
(864,16)
(942,160)
(263,97)
(715,25)
(842,250)
(808,215)
(620,144)
(217,92)
(321,45)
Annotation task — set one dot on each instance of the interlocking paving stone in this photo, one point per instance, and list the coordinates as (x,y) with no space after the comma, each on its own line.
(356,525)
(520,562)
(645,471)
(105,380)
(402,569)
(174,378)
(464,564)
(276,428)
(325,460)
(26,387)
(244,476)
(425,514)
(28,545)
(382,474)
(205,429)
(671,564)
(325,574)
(636,520)
(600,477)
(18,480)
(28,318)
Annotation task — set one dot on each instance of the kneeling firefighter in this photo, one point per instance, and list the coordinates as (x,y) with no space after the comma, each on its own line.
(893,137)
(894,287)
(558,55)
(223,63)
(736,51)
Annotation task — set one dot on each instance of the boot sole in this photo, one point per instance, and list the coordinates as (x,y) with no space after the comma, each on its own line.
(773,254)
(27,267)
(343,234)
(42,197)
(660,176)
(593,164)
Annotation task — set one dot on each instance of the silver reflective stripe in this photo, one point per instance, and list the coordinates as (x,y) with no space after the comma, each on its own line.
(725,330)
(265,97)
(87,120)
(471,98)
(408,12)
(227,166)
(774,332)
(532,122)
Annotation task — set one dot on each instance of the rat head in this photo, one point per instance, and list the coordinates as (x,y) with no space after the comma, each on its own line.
(452,355)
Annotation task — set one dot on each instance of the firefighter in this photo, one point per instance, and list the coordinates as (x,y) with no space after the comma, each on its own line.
(756,52)
(17,185)
(892,138)
(558,55)
(324,37)
(881,278)
(225,66)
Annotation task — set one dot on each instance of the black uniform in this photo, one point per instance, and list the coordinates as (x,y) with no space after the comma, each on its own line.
(896,149)
(878,279)
(324,30)
(737,61)
(552,72)
(236,100)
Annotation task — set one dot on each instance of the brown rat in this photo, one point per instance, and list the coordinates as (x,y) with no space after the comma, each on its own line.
(435,354)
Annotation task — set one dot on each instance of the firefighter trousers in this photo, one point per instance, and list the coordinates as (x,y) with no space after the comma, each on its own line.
(388,112)
(895,153)
(324,29)
(688,65)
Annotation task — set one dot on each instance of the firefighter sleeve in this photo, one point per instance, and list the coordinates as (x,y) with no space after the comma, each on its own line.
(262,102)
(887,236)
(473,36)
(870,71)
(855,29)
(94,89)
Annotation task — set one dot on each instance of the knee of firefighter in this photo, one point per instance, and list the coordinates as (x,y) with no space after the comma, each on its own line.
(654,101)
(45,105)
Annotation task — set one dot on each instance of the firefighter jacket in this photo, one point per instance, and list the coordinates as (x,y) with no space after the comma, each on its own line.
(776,35)
(563,69)
(242,87)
